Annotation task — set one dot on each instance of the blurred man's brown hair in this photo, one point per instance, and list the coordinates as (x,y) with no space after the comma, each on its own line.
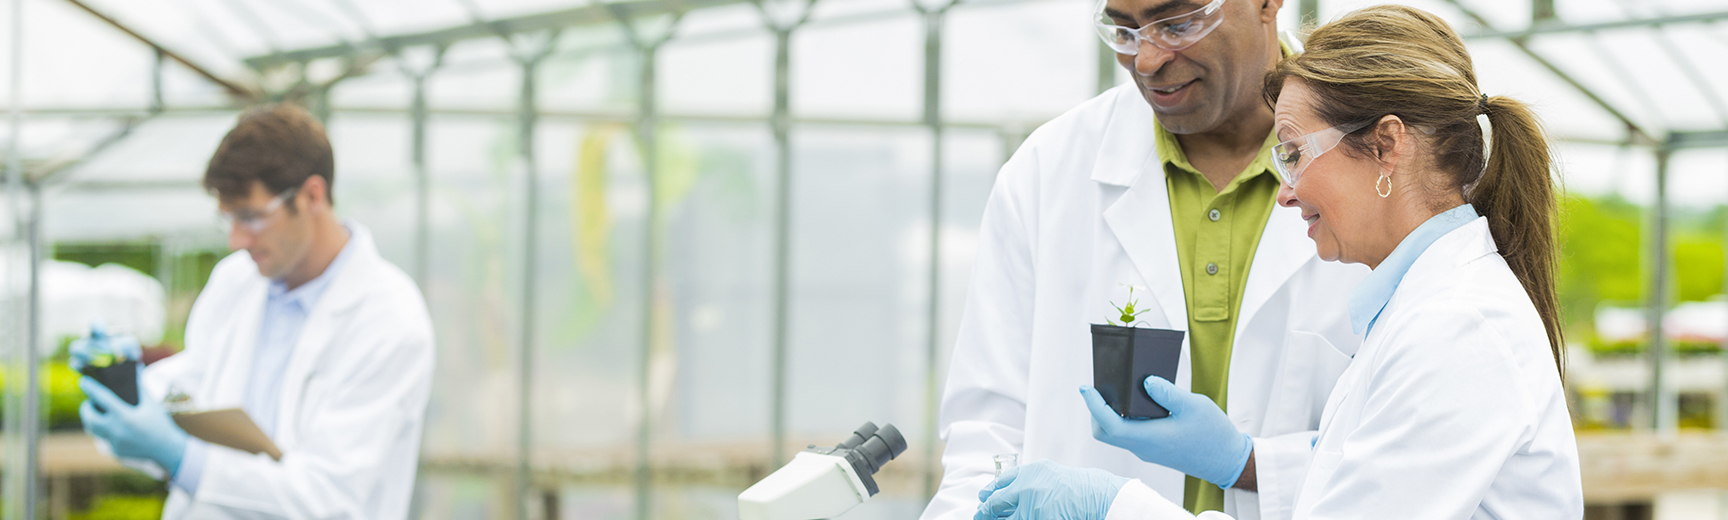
(279,145)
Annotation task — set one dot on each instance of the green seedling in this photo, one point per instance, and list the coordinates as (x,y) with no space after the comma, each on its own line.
(102,360)
(1129,315)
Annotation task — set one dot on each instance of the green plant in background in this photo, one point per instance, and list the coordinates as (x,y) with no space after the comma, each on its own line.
(122,507)
(1601,260)
(60,394)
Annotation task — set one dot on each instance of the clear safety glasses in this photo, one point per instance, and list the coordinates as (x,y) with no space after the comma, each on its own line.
(1291,157)
(254,221)
(1172,34)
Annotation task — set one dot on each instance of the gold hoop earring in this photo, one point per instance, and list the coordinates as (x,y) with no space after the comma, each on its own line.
(1388,191)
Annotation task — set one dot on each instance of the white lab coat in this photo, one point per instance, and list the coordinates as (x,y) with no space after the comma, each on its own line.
(353,398)
(1079,210)
(1452,409)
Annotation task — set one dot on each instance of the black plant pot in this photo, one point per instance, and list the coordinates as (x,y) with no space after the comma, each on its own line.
(121,378)
(1122,358)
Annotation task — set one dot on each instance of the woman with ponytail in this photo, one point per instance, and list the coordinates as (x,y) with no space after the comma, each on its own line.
(1453,406)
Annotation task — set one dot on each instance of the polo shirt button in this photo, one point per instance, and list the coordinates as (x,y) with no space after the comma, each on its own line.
(1211,268)
(1214,215)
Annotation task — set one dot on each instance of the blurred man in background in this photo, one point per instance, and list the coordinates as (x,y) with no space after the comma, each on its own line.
(323,343)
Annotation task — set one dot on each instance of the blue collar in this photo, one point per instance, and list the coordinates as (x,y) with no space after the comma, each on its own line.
(307,294)
(1371,296)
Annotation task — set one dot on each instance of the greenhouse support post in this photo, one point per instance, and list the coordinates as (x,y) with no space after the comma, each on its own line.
(530,61)
(22,414)
(1661,393)
(781,123)
(933,19)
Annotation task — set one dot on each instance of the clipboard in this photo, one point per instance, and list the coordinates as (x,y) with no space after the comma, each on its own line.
(229,427)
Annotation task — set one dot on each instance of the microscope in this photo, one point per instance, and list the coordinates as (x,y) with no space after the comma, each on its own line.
(824,482)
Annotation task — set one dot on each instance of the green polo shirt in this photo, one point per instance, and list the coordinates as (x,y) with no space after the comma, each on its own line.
(1216,234)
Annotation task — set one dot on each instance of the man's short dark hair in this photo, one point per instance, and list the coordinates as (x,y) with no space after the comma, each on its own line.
(279,145)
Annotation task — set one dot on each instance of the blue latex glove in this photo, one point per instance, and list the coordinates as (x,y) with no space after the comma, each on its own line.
(100,342)
(1197,438)
(1049,491)
(142,432)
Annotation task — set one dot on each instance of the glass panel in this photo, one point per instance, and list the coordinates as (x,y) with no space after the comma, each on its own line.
(1028,61)
(730,76)
(472,290)
(112,71)
(588,291)
(599,78)
(868,70)
(860,281)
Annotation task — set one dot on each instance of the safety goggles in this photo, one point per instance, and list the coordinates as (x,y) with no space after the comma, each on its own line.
(1292,157)
(1172,34)
(255,221)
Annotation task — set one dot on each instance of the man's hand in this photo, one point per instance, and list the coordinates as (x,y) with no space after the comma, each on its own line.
(1197,438)
(145,431)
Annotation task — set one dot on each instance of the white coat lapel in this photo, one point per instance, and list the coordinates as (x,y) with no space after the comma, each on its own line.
(1284,248)
(343,294)
(235,345)
(1140,217)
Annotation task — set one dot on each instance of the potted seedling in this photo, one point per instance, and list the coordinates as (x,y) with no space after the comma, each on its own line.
(1125,353)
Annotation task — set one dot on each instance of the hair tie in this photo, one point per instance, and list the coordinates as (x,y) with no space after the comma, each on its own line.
(1482,104)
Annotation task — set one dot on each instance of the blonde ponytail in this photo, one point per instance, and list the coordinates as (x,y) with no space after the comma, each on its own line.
(1516,193)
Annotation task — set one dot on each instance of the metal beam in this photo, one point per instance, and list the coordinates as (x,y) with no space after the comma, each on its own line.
(1010,126)
(1636,132)
(1488,32)
(1694,140)
(126,186)
(234,89)
(1307,13)
(593,14)
(1542,11)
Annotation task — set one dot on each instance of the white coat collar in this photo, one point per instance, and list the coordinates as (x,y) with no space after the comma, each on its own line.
(1128,146)
(1432,269)
(1140,218)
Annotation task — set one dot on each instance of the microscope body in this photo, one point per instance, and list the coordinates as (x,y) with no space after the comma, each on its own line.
(824,482)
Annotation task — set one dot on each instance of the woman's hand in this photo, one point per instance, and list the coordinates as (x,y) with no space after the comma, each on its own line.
(1197,438)
(1049,491)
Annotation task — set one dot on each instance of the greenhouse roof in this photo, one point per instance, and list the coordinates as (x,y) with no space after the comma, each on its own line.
(102,78)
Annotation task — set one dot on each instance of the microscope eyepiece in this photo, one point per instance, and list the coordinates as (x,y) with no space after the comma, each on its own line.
(883,446)
(824,482)
(859,435)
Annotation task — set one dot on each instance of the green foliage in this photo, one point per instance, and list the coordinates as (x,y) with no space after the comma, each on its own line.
(1697,266)
(61,396)
(141,256)
(121,507)
(1602,253)
(1599,257)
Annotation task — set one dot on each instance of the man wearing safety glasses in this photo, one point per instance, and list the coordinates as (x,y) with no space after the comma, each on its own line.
(326,346)
(1166,185)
